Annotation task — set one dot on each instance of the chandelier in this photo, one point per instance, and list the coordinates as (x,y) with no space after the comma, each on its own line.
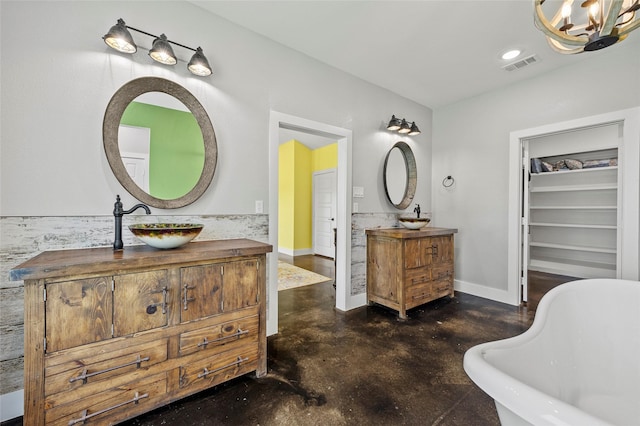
(592,25)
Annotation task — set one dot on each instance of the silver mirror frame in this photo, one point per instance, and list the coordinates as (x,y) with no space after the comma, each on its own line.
(412,175)
(111,123)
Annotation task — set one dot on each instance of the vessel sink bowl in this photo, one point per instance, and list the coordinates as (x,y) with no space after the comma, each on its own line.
(166,235)
(414,222)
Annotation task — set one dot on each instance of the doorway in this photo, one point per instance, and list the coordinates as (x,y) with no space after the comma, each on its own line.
(278,121)
(624,245)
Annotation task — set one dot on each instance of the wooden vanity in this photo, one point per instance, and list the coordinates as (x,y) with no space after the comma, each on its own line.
(113,334)
(407,268)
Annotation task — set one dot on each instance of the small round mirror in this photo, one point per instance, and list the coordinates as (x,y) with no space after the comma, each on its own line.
(400,176)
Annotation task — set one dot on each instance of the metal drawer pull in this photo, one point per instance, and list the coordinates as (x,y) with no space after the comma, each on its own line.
(422,296)
(238,333)
(206,372)
(186,300)
(86,416)
(84,376)
(163,303)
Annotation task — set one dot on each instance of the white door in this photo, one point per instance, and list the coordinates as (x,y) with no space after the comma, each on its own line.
(137,166)
(324,212)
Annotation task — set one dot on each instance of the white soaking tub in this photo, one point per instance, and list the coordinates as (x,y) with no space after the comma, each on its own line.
(578,364)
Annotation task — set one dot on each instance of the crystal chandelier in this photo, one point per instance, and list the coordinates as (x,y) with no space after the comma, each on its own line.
(592,25)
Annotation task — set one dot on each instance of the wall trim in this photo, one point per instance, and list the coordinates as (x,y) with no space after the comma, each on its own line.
(483,291)
(11,405)
(294,253)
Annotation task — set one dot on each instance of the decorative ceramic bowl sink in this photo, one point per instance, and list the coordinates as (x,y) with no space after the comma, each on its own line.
(414,222)
(166,235)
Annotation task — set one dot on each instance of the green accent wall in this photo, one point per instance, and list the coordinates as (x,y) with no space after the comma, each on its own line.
(176,153)
(297,163)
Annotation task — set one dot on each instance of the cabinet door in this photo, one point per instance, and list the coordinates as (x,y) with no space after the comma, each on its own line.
(200,291)
(240,284)
(442,249)
(139,302)
(78,312)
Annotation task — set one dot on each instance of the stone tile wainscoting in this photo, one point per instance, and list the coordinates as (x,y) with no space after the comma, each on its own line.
(24,237)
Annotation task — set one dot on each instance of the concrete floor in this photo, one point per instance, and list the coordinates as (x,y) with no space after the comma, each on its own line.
(327,367)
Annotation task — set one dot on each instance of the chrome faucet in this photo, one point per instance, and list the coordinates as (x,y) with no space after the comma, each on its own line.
(417,210)
(118,212)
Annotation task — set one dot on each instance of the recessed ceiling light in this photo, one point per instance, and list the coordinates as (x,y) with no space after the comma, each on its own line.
(511,54)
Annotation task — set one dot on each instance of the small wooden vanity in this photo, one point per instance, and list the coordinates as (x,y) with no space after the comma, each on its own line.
(407,268)
(113,334)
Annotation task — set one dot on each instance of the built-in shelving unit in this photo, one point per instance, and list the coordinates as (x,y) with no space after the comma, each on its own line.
(573,218)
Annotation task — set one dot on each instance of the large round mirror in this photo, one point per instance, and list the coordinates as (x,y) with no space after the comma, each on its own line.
(400,175)
(159,142)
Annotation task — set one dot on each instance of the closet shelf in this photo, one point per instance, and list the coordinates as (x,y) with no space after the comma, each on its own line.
(573,225)
(566,188)
(574,248)
(570,172)
(573,207)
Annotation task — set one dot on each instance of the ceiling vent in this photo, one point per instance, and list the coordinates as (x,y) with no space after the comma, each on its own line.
(521,63)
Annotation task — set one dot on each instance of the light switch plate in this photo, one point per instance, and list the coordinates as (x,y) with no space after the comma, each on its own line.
(358,192)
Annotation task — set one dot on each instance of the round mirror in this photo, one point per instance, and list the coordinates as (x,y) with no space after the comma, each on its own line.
(159,142)
(400,176)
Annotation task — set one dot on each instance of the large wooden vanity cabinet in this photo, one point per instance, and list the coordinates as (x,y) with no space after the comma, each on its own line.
(407,268)
(110,335)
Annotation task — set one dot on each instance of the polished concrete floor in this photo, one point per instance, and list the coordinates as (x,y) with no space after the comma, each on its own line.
(327,367)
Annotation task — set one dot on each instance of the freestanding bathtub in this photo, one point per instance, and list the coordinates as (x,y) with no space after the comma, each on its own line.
(578,364)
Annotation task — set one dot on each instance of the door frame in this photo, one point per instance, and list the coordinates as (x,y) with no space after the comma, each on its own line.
(344,299)
(334,172)
(629,162)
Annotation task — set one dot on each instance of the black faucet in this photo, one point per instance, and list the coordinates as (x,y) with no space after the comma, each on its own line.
(417,210)
(118,212)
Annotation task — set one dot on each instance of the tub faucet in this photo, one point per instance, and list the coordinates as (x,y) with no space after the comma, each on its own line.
(417,210)
(118,212)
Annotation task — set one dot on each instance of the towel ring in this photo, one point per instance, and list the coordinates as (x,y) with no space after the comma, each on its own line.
(448,181)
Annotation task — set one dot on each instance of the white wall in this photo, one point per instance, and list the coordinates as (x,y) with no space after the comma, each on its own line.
(58,76)
(471,143)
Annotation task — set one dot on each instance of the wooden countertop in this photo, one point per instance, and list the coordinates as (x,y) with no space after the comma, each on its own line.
(427,231)
(58,263)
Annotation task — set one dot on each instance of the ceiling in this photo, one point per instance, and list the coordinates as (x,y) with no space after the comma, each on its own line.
(434,52)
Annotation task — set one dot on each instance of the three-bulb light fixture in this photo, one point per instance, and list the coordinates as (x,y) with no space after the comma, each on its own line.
(403,126)
(596,25)
(161,51)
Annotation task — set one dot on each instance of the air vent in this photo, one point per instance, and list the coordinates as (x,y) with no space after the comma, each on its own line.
(521,63)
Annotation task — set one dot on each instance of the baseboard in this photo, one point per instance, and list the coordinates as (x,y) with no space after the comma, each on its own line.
(11,405)
(356,301)
(485,292)
(293,253)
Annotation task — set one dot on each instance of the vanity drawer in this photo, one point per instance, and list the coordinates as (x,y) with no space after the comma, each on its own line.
(112,405)
(442,288)
(417,276)
(219,368)
(215,336)
(87,369)
(442,272)
(419,294)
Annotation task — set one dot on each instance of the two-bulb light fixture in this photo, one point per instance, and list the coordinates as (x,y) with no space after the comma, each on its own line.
(161,51)
(595,25)
(403,126)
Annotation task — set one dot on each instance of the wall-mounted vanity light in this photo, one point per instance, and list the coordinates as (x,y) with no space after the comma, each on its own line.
(402,126)
(119,38)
